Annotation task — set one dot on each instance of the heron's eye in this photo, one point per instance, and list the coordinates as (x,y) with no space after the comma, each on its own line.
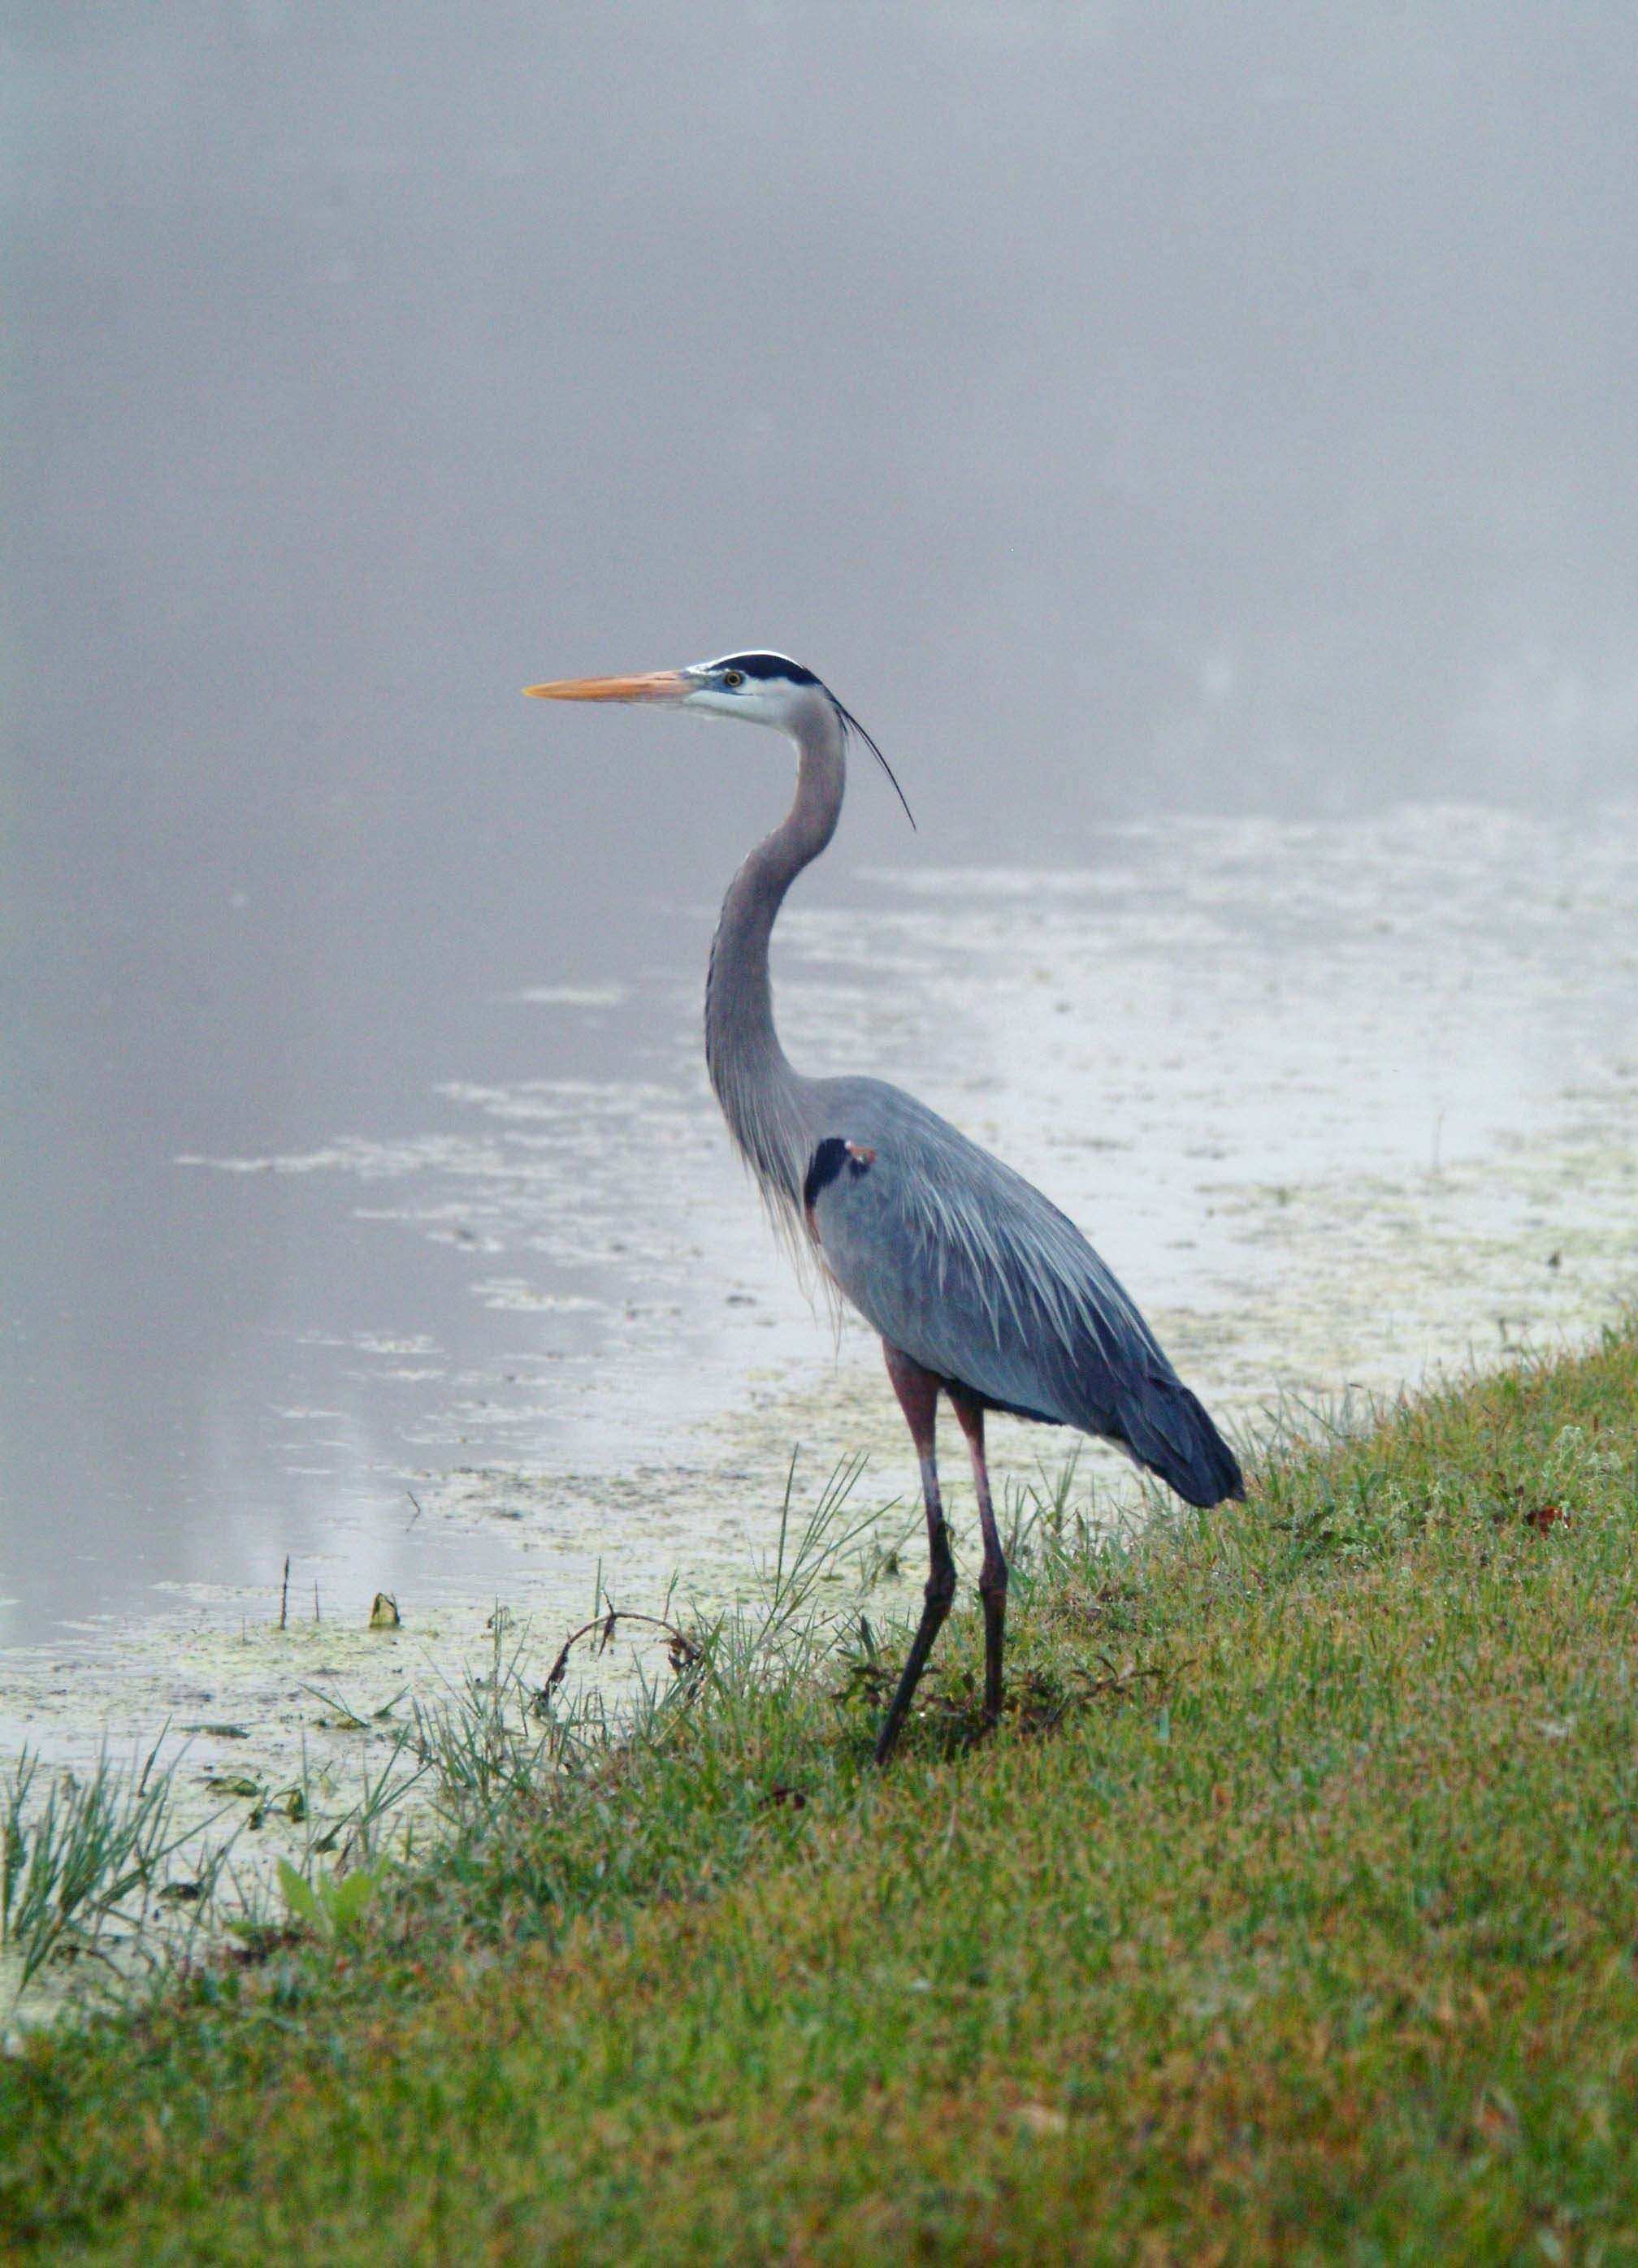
(734,679)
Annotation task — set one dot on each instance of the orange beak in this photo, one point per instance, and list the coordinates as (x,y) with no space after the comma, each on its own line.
(659,685)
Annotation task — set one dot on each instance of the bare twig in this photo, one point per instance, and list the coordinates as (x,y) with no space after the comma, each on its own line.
(681,1652)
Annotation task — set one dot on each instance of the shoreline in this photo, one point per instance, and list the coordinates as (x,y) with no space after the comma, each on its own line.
(1377,1284)
(1411,1237)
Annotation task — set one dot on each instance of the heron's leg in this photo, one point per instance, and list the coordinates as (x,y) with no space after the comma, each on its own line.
(918,1392)
(992,1576)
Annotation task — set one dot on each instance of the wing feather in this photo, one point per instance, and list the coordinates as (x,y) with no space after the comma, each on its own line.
(968,1267)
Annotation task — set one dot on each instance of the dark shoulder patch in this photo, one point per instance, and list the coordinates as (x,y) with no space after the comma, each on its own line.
(826,1164)
(769,666)
(823,1168)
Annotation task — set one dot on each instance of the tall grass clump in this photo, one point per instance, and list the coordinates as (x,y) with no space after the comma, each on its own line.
(744,1705)
(81,1851)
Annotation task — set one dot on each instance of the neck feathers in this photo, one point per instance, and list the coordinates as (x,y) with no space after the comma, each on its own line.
(759,1093)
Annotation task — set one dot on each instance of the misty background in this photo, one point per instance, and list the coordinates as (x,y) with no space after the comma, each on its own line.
(1128,409)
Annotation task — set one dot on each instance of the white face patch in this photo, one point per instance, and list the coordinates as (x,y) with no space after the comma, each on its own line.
(762,699)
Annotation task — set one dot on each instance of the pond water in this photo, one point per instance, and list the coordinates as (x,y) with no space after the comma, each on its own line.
(1132,413)
(1339,1101)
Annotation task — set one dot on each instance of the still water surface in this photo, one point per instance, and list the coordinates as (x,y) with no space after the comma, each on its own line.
(1133,411)
(1337,1100)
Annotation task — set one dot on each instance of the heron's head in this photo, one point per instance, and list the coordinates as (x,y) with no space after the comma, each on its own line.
(763,688)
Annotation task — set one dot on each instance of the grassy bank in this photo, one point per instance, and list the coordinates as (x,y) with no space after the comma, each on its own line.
(1293,1915)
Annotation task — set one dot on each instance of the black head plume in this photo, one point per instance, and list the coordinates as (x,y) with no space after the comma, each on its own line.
(851,724)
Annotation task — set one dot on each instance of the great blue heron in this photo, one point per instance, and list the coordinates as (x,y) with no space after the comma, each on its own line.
(979,1287)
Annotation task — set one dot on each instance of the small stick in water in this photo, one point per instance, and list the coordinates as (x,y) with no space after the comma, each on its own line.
(283,1595)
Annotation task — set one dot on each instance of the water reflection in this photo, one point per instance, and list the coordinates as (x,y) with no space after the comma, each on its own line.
(1130,410)
(537,1287)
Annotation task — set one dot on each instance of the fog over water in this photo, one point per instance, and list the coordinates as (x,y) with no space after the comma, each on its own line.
(1130,409)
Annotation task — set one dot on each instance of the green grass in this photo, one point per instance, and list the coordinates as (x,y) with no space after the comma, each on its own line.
(75,1848)
(1293,1915)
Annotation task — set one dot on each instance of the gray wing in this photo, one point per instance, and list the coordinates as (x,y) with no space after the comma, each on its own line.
(965,1266)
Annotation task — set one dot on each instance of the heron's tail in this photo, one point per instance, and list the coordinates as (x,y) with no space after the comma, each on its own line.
(1181,1444)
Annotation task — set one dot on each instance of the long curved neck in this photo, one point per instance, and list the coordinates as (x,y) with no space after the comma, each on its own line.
(757,1089)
